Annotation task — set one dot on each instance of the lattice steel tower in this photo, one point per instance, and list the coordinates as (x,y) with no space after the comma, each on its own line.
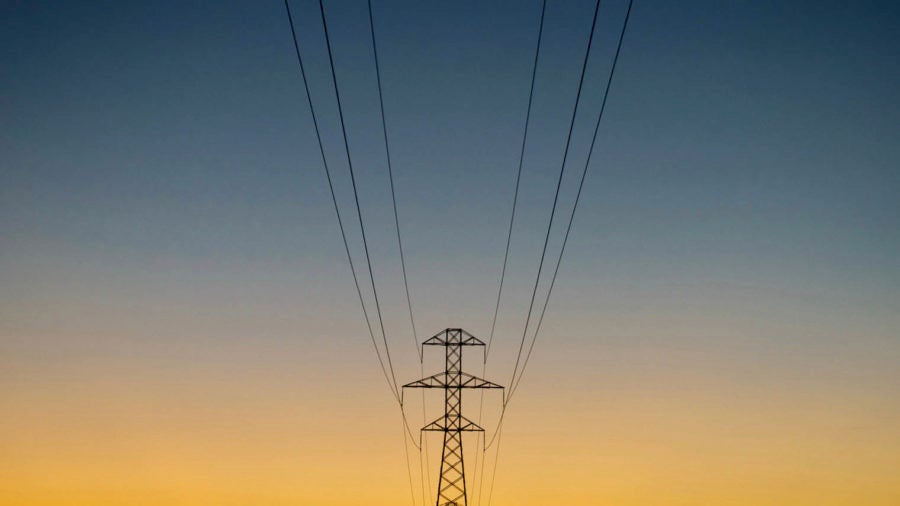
(452,485)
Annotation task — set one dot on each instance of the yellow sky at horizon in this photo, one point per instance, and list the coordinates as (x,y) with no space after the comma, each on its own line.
(116,431)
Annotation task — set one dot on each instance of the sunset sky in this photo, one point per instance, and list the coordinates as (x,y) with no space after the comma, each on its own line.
(179,326)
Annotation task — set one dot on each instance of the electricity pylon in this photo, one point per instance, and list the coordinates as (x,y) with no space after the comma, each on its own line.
(452,485)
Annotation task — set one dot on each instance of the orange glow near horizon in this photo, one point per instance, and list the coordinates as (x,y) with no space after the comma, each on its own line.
(228,433)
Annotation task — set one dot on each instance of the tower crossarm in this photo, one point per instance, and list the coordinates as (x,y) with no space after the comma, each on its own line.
(445,424)
(453,337)
(447,380)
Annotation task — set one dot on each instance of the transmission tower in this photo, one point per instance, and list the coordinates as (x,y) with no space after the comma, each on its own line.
(452,485)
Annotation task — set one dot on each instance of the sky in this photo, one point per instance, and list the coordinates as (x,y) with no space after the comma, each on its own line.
(178,322)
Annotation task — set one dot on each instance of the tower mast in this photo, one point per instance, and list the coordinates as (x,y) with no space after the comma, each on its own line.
(452,485)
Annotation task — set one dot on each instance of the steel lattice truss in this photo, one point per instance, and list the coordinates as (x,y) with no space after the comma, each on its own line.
(452,485)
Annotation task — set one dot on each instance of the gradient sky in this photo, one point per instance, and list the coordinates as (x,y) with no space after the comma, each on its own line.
(178,324)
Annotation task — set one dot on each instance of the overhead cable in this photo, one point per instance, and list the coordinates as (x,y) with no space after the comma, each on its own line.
(562,168)
(337,210)
(537,52)
(584,172)
(498,432)
(387,150)
(362,226)
(512,217)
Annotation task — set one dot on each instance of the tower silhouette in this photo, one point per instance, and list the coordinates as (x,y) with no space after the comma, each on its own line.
(452,485)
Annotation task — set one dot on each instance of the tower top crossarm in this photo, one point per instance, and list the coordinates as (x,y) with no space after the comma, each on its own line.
(453,337)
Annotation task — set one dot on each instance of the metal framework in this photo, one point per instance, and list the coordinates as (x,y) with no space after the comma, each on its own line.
(452,485)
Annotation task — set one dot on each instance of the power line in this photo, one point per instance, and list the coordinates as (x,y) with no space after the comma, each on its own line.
(537,52)
(412,492)
(577,196)
(512,216)
(362,226)
(426,476)
(422,476)
(412,320)
(387,151)
(517,373)
(499,428)
(562,169)
(337,210)
(499,431)
(393,385)
(493,477)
